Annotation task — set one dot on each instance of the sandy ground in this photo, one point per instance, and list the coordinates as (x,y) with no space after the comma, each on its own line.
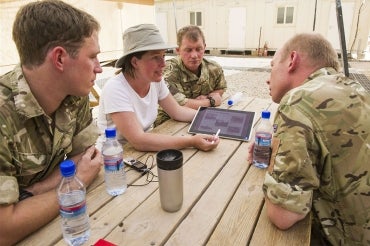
(252,81)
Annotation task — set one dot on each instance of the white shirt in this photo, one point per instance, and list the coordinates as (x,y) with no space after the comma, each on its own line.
(119,96)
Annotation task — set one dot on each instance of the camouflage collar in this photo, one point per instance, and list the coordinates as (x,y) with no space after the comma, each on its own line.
(191,76)
(321,72)
(25,102)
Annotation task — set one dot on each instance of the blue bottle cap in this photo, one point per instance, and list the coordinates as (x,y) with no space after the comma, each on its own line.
(67,168)
(230,102)
(266,114)
(110,133)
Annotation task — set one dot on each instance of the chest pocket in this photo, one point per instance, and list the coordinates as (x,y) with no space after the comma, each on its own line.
(34,154)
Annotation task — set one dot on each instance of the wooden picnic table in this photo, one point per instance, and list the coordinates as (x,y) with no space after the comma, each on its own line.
(223,201)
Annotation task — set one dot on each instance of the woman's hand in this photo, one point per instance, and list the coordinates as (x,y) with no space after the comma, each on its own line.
(205,142)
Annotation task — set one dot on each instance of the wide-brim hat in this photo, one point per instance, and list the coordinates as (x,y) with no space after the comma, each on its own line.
(143,37)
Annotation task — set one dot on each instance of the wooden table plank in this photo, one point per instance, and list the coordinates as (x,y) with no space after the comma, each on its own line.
(239,214)
(207,212)
(238,222)
(199,172)
(297,235)
(112,214)
(97,196)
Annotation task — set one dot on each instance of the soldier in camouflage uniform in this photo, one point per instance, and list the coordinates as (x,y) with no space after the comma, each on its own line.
(45,115)
(321,152)
(193,80)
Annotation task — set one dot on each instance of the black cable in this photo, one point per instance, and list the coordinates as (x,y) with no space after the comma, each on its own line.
(148,172)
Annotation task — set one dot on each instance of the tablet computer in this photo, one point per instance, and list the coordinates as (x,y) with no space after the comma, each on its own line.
(233,124)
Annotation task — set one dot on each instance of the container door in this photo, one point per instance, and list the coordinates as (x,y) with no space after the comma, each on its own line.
(237,28)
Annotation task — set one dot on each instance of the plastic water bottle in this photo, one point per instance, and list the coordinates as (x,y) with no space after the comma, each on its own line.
(262,144)
(234,99)
(72,206)
(114,173)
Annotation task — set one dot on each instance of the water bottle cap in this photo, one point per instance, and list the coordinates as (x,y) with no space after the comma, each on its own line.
(67,168)
(110,133)
(266,114)
(230,102)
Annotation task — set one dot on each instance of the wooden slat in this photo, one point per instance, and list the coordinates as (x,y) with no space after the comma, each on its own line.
(237,223)
(297,235)
(106,219)
(210,208)
(198,174)
(97,196)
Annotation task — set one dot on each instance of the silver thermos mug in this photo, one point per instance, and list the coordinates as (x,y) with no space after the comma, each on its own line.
(169,164)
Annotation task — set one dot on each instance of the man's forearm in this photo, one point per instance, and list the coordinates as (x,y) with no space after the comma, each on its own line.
(22,218)
(50,183)
(196,103)
(280,217)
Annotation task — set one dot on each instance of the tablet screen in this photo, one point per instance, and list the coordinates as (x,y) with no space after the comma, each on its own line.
(234,124)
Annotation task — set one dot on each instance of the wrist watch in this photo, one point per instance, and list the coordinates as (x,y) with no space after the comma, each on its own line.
(23,194)
(211,101)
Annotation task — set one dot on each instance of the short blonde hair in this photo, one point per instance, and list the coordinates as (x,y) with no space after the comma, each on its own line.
(319,51)
(194,33)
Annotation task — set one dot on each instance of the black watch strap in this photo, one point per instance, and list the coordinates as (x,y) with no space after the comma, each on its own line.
(24,194)
(211,101)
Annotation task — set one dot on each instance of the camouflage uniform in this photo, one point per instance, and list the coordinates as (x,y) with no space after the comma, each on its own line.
(323,158)
(184,84)
(32,143)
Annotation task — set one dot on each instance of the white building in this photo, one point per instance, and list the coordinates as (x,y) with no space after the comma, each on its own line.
(239,26)
(113,16)
(246,25)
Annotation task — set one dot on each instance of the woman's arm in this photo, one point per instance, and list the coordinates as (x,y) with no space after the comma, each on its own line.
(128,125)
(175,111)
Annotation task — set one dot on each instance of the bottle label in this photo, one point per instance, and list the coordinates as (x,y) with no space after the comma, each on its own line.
(73,211)
(113,163)
(263,139)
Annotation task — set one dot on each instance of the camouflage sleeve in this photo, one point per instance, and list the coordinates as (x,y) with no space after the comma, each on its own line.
(293,177)
(179,97)
(86,131)
(172,77)
(220,79)
(8,184)
(8,190)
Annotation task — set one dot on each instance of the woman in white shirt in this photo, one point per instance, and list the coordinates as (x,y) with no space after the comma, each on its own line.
(129,101)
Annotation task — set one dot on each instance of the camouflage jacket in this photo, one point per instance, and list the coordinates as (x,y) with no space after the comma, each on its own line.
(32,143)
(322,162)
(184,84)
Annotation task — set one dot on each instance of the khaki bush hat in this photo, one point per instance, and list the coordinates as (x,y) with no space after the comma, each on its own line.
(142,37)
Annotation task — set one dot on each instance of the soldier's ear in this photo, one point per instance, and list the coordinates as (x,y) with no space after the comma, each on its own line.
(58,55)
(294,61)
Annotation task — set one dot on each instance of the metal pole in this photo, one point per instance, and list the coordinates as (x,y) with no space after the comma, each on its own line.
(259,42)
(314,17)
(174,13)
(342,37)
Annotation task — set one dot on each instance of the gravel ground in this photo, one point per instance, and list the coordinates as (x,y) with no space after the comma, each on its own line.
(250,83)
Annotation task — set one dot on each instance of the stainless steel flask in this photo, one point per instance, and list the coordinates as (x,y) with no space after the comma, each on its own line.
(170,178)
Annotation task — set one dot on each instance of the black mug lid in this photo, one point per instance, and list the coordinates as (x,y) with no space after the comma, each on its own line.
(169,159)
